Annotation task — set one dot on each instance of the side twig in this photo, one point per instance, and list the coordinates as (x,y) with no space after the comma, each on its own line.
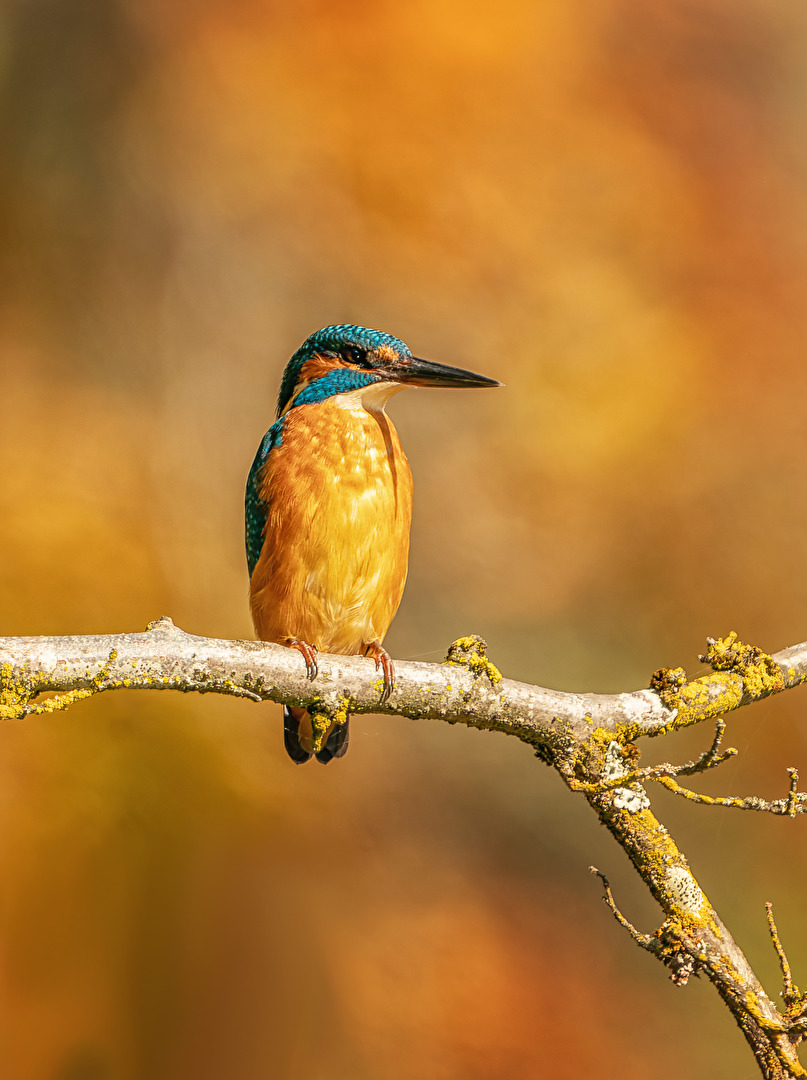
(795,803)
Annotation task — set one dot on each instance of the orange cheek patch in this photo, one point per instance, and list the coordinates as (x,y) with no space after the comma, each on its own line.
(317,366)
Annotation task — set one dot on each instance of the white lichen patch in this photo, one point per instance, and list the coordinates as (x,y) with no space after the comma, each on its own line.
(685,890)
(614,765)
(633,798)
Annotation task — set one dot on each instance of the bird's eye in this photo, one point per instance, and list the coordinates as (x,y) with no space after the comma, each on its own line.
(355,355)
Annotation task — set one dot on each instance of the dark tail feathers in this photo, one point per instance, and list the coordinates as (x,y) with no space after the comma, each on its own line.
(298,737)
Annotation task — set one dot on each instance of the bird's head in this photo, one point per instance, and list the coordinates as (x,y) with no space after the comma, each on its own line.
(341,359)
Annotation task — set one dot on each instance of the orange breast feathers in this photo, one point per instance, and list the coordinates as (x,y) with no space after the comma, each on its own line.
(336,544)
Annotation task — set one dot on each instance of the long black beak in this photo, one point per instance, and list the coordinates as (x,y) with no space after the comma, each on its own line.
(417,372)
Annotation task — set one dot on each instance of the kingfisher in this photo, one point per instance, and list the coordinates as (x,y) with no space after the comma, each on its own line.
(328,508)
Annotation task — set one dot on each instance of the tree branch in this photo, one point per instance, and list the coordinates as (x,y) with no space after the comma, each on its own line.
(589,739)
(164,657)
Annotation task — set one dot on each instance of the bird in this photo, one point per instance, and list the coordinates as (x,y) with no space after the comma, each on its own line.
(328,507)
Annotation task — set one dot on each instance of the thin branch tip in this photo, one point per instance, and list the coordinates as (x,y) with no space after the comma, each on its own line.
(646,941)
(793,999)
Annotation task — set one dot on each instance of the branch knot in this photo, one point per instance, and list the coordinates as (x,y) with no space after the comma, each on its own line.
(668,684)
(471,652)
(759,672)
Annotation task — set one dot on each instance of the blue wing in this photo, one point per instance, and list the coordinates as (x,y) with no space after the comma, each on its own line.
(255,509)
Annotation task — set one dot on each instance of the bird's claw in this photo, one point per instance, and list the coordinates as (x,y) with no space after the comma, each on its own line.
(382,660)
(309,653)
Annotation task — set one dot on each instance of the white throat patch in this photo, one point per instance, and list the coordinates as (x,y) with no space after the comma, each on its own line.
(370,398)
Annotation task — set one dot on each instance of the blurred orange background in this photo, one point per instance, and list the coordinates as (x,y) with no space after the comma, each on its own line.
(604,206)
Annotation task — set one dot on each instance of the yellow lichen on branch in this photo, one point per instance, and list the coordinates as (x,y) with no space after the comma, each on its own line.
(759,672)
(740,673)
(323,717)
(471,652)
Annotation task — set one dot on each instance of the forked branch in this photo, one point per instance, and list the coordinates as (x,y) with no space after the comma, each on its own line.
(589,739)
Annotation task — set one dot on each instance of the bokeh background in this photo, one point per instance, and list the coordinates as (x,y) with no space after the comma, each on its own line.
(602,204)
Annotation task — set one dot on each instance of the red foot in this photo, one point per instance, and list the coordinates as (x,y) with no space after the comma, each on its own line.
(382,658)
(309,655)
